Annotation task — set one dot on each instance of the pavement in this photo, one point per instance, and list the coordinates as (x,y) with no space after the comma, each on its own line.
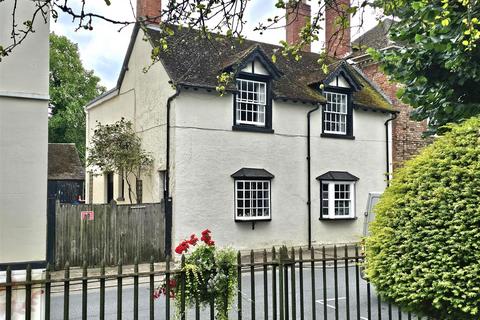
(334,310)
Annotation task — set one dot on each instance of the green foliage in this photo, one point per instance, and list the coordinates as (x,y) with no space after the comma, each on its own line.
(117,148)
(440,62)
(424,248)
(208,273)
(71,87)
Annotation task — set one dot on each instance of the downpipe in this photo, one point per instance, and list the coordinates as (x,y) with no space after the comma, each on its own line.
(309,183)
(166,196)
(387,141)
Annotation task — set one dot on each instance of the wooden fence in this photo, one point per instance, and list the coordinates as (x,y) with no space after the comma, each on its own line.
(112,234)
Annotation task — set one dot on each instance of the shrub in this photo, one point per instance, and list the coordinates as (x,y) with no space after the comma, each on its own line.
(424,249)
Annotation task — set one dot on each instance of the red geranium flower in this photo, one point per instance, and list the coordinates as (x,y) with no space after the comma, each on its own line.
(182,247)
(193,240)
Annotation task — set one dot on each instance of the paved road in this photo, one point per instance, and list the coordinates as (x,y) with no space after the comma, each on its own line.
(127,301)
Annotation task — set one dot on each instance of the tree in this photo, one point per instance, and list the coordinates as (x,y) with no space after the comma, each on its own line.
(222,16)
(439,64)
(424,249)
(117,148)
(71,87)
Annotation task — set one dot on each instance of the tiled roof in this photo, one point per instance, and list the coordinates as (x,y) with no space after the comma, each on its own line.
(193,60)
(376,38)
(64,162)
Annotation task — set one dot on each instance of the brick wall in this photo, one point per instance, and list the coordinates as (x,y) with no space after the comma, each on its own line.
(149,8)
(407,133)
(297,18)
(337,41)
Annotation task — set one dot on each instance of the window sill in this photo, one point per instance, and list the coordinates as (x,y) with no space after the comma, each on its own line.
(254,220)
(336,219)
(244,127)
(337,136)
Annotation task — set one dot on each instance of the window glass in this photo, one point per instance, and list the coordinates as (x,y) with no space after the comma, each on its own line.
(251,102)
(253,199)
(335,113)
(337,199)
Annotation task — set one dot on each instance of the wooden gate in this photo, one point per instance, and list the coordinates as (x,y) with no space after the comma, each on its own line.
(112,234)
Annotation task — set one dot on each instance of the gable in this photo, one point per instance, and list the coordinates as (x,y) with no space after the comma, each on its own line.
(342,77)
(339,81)
(256,67)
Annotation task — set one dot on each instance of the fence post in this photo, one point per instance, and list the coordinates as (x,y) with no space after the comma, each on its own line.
(119,290)
(8,295)
(48,286)
(274,285)
(167,285)
(239,284)
(280,284)
(84,290)
(28,293)
(183,289)
(66,292)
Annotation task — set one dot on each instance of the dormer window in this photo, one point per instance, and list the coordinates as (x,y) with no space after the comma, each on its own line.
(337,115)
(251,102)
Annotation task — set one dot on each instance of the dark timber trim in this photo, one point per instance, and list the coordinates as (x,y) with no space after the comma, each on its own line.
(349,133)
(268,107)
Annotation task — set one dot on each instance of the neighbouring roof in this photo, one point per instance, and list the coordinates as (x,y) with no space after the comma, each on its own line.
(194,61)
(252,173)
(64,162)
(376,38)
(337,176)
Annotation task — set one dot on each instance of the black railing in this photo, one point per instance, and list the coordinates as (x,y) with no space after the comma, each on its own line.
(322,283)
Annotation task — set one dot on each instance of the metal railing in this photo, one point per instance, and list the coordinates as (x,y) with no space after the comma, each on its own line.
(280,284)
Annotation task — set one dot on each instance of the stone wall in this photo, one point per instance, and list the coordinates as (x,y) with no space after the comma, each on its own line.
(407,133)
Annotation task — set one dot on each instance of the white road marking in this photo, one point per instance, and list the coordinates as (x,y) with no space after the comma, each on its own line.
(333,307)
(331,299)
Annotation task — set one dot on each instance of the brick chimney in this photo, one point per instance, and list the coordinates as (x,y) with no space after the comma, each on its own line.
(297,18)
(147,9)
(337,40)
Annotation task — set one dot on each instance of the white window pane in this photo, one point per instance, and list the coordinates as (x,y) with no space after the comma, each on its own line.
(251,101)
(335,118)
(252,199)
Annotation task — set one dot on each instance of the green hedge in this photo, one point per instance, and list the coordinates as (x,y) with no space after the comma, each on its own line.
(424,248)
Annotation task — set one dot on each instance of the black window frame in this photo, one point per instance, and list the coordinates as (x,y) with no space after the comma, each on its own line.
(252,174)
(349,132)
(268,106)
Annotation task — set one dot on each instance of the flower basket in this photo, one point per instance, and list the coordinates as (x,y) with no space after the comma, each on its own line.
(208,275)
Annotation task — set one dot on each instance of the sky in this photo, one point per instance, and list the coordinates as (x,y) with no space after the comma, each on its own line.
(104,48)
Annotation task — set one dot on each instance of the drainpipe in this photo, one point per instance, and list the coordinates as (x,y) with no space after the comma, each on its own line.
(309,195)
(387,141)
(167,197)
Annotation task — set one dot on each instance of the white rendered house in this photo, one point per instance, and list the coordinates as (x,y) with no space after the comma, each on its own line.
(287,156)
(24,101)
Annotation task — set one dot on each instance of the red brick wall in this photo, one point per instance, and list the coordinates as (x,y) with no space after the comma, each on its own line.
(296,20)
(407,133)
(149,8)
(337,41)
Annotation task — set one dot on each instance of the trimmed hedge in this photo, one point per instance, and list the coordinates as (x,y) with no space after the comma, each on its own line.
(424,249)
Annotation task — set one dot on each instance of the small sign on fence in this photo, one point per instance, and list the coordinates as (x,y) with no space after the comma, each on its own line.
(88,215)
